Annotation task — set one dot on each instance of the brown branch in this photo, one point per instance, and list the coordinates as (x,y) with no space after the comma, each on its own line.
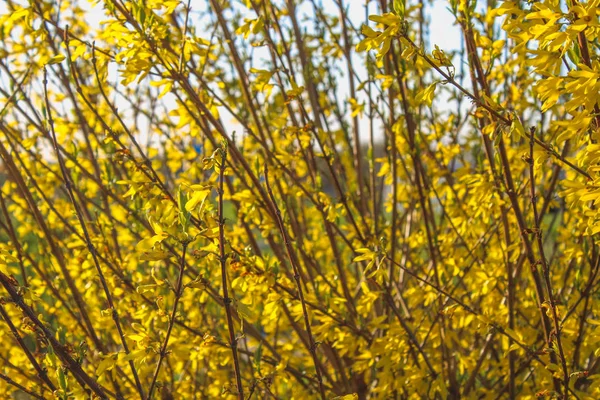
(223,261)
(178,293)
(90,245)
(293,260)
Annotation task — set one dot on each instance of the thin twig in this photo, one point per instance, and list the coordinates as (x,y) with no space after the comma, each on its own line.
(294,262)
(178,293)
(90,245)
(223,261)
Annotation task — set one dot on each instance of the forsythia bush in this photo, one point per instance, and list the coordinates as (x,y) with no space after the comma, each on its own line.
(286,199)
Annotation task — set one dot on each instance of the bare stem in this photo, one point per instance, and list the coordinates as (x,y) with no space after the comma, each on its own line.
(90,245)
(293,260)
(172,318)
(223,260)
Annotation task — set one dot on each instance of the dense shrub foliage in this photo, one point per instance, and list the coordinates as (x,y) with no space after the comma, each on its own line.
(299,199)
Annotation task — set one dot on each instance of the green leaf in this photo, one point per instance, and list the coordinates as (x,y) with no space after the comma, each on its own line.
(184,215)
(62,379)
(516,127)
(400,7)
(257,357)
(244,311)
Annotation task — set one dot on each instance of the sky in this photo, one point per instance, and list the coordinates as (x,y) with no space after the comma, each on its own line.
(442,32)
